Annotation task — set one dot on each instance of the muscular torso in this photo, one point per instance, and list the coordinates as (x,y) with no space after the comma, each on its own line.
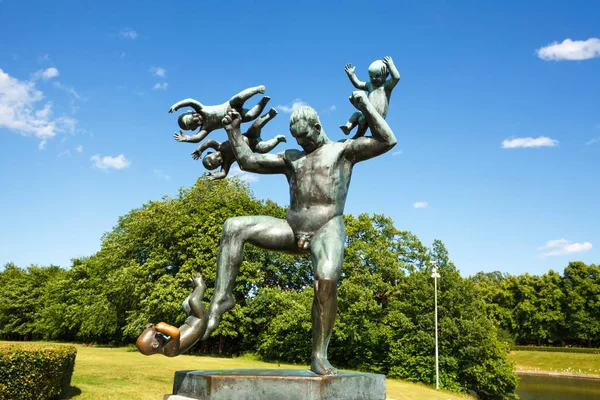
(318,186)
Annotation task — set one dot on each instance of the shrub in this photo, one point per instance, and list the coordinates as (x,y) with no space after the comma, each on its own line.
(34,371)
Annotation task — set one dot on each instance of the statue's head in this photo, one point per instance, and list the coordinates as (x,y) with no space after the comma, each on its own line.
(147,343)
(212,160)
(305,126)
(378,73)
(189,121)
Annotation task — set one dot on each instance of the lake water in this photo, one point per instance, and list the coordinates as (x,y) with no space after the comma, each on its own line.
(554,388)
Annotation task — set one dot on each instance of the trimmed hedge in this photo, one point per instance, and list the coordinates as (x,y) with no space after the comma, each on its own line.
(556,349)
(35,371)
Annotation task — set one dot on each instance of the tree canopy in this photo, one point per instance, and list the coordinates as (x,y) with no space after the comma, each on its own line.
(385,320)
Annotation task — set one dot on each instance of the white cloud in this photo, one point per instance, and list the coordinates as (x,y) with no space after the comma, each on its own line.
(64,153)
(161,174)
(68,89)
(563,246)
(529,142)
(289,109)
(79,149)
(107,162)
(160,86)
(593,141)
(158,71)
(128,33)
(20,110)
(245,176)
(570,50)
(397,153)
(421,204)
(46,74)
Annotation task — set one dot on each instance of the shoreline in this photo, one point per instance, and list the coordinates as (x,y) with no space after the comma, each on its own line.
(557,374)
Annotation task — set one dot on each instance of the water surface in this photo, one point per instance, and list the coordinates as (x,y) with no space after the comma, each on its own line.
(557,388)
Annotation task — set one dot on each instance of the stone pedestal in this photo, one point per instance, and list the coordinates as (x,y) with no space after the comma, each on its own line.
(275,384)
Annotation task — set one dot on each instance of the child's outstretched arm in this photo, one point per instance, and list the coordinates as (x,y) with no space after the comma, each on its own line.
(357,84)
(207,144)
(394,74)
(195,104)
(222,173)
(198,137)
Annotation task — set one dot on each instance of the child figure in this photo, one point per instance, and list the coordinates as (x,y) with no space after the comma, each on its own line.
(379,90)
(224,156)
(171,341)
(208,118)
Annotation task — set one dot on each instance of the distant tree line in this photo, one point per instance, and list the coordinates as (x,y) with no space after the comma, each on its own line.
(385,320)
(551,309)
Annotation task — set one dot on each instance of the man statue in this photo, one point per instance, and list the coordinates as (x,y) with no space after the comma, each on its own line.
(318,177)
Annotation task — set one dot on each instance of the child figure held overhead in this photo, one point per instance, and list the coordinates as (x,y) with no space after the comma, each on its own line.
(379,90)
(208,118)
(224,156)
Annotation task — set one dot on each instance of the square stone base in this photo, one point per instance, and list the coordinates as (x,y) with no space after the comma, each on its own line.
(275,384)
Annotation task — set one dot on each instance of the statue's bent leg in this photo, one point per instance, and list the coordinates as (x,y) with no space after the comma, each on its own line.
(238,100)
(265,232)
(327,250)
(256,128)
(254,112)
(195,298)
(266,146)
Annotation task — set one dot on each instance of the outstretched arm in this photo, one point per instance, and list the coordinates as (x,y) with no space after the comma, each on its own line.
(182,137)
(171,349)
(382,139)
(195,104)
(248,161)
(207,144)
(394,74)
(221,174)
(357,84)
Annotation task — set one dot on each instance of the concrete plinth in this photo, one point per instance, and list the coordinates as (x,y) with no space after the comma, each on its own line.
(275,384)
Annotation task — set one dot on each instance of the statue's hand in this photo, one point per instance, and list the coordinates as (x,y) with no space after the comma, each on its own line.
(387,60)
(349,69)
(212,177)
(173,108)
(232,120)
(196,154)
(359,100)
(281,139)
(180,137)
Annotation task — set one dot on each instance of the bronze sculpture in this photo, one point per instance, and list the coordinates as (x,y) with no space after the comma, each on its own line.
(318,177)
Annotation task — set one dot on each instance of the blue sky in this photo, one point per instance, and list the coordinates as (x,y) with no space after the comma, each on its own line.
(497,116)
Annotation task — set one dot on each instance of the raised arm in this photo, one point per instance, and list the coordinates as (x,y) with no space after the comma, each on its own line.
(394,74)
(248,161)
(207,144)
(221,174)
(382,139)
(182,137)
(357,84)
(195,104)
(171,349)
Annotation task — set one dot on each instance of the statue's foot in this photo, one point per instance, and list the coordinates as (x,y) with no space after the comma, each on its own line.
(345,129)
(358,99)
(218,306)
(272,112)
(261,89)
(264,100)
(321,366)
(197,280)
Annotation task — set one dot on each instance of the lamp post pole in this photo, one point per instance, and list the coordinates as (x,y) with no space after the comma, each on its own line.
(435,275)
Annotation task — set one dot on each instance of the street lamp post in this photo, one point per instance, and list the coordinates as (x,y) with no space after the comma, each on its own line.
(435,275)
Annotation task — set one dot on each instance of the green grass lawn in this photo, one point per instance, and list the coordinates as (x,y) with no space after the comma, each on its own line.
(578,363)
(115,373)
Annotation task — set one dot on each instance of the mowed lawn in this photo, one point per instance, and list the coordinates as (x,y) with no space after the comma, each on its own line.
(116,373)
(578,363)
